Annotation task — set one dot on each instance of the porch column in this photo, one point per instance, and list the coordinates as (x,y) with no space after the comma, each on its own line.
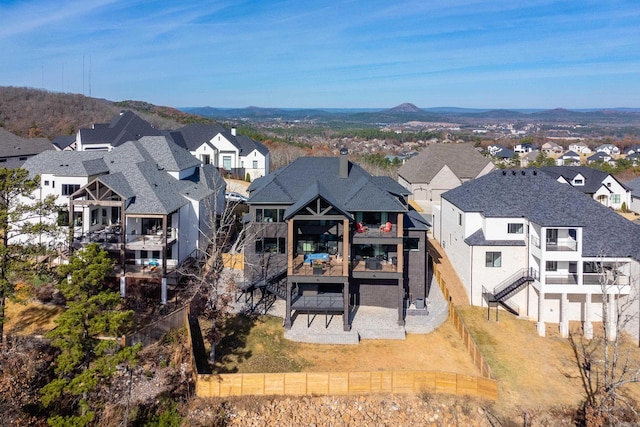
(164,259)
(71,226)
(611,321)
(287,316)
(587,327)
(123,242)
(564,317)
(345,301)
(541,305)
(164,291)
(400,302)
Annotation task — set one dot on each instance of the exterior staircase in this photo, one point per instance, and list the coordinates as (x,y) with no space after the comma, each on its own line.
(509,287)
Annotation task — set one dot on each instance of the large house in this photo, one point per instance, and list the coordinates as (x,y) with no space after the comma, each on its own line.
(236,154)
(537,247)
(342,238)
(441,167)
(599,185)
(127,126)
(148,202)
(14,150)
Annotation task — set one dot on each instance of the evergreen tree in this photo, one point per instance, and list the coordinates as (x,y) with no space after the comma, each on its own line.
(87,336)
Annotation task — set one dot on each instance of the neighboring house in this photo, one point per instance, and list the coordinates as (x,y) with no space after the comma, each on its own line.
(527,159)
(148,202)
(536,247)
(14,150)
(551,147)
(634,149)
(500,152)
(570,158)
(634,185)
(441,167)
(634,158)
(527,147)
(339,237)
(580,148)
(601,156)
(105,136)
(64,142)
(213,144)
(608,149)
(601,186)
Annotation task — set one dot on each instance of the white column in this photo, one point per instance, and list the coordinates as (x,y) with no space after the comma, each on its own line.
(611,321)
(564,317)
(123,286)
(164,290)
(587,327)
(541,305)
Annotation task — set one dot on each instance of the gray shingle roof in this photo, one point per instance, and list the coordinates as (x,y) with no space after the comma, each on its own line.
(463,160)
(358,192)
(13,147)
(137,168)
(593,178)
(548,203)
(193,136)
(125,127)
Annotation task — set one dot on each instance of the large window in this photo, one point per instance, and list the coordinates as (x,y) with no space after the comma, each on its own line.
(69,189)
(226,162)
(493,259)
(515,228)
(255,164)
(552,265)
(269,215)
(271,245)
(615,198)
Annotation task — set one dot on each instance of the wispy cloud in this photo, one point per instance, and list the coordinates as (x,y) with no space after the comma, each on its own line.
(285,51)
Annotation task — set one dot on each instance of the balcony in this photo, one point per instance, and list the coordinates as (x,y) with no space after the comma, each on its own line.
(110,238)
(376,230)
(587,279)
(562,245)
(332,267)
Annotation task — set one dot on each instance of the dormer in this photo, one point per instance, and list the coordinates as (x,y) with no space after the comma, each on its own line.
(578,181)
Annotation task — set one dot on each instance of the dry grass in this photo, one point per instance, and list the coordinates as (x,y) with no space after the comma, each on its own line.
(533,372)
(33,318)
(261,347)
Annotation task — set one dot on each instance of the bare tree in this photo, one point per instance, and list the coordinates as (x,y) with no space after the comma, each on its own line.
(211,293)
(605,366)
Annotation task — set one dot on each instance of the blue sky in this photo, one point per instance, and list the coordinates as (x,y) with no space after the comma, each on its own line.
(325,53)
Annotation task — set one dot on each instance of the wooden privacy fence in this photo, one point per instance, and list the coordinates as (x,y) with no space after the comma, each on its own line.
(463,331)
(344,383)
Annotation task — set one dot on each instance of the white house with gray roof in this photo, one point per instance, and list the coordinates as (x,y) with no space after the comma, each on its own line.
(236,154)
(147,202)
(538,248)
(601,186)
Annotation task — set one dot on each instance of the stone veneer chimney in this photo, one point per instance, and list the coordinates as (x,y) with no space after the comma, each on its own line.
(344,163)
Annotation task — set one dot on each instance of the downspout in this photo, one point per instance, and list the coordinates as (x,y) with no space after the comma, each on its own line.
(471,278)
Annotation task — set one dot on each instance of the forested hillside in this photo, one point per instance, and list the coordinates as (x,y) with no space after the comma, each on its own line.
(31,112)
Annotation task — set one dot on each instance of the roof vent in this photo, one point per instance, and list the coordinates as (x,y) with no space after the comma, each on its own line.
(522,172)
(513,173)
(535,172)
(504,173)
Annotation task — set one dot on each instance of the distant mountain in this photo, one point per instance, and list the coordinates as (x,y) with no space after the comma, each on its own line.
(409,112)
(404,108)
